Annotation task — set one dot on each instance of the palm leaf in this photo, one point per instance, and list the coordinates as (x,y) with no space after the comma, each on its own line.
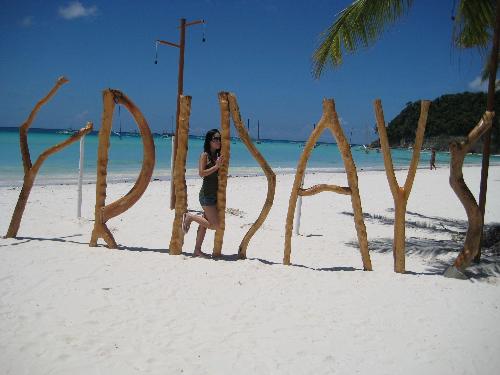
(358,25)
(485,73)
(473,26)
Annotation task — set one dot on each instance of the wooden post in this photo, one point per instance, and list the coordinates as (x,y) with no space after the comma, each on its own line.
(328,120)
(180,88)
(352,181)
(177,239)
(105,212)
(31,170)
(29,179)
(458,151)
(271,177)
(221,191)
(23,130)
(400,194)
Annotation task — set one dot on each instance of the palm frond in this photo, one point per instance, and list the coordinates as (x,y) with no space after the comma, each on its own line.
(358,25)
(474,21)
(485,73)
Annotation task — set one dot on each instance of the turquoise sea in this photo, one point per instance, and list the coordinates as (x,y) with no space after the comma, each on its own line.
(125,157)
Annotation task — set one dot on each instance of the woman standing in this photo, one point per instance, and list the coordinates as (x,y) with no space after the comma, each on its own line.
(433,159)
(208,168)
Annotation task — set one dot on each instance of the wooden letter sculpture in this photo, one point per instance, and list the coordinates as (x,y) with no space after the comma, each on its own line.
(271,177)
(221,191)
(472,241)
(228,104)
(331,121)
(102,212)
(30,171)
(179,177)
(400,194)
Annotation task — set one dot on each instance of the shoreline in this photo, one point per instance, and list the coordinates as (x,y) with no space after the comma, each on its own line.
(164,175)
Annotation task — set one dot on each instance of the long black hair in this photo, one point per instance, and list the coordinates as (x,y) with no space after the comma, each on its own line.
(206,146)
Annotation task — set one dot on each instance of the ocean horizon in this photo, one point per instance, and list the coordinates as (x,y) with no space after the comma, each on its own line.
(126,155)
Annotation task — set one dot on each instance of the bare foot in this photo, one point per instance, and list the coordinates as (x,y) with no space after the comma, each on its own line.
(200,254)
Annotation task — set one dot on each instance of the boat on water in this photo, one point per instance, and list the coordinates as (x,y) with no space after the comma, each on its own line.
(367,149)
(167,135)
(131,134)
(66,131)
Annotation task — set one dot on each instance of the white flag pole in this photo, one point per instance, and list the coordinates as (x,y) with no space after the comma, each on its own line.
(80,178)
(299,208)
(172,167)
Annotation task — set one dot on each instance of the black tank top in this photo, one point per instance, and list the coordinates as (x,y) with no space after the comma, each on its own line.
(210,182)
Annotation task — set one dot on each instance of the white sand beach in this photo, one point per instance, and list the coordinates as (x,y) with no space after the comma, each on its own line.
(67,308)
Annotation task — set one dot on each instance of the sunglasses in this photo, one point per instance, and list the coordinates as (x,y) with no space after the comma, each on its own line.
(216,139)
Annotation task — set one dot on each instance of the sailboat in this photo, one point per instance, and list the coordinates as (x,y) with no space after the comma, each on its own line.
(366,147)
(166,134)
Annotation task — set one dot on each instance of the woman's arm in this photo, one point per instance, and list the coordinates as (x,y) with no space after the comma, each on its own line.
(202,165)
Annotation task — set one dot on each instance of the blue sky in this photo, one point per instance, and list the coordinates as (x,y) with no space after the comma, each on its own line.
(260,50)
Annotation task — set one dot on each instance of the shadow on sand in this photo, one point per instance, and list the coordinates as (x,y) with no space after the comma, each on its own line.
(429,248)
(433,249)
(222,258)
(431,223)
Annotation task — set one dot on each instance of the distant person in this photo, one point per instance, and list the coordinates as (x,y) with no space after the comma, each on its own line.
(208,168)
(433,158)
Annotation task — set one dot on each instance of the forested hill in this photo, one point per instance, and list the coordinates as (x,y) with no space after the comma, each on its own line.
(450,116)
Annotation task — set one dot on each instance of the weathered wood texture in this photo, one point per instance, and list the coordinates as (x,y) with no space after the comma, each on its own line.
(324,187)
(400,194)
(23,130)
(458,151)
(31,170)
(226,153)
(105,212)
(177,239)
(270,175)
(329,120)
(29,178)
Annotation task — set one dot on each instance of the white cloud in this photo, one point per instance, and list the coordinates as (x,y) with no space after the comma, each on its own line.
(27,21)
(477,85)
(75,9)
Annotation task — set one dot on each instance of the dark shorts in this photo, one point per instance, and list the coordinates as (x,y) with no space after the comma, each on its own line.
(207,200)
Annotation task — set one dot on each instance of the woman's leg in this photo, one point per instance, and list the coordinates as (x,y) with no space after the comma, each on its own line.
(200,236)
(198,219)
(210,218)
